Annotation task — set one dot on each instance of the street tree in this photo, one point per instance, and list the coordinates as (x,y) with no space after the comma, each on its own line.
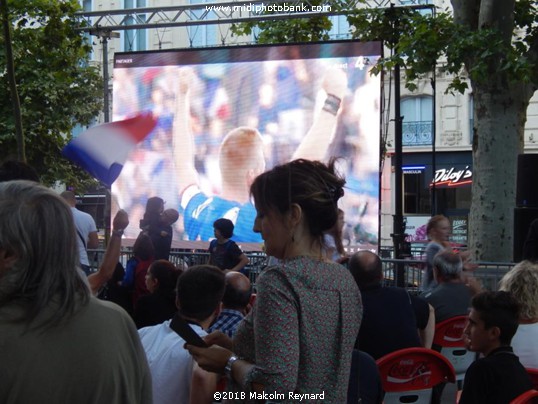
(57,86)
(489,45)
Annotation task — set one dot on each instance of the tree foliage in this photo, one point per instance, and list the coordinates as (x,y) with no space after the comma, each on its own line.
(58,89)
(491,44)
(419,39)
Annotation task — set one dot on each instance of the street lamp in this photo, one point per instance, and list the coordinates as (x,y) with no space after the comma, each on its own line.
(104,35)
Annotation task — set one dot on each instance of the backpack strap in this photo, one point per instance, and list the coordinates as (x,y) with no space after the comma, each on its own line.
(82,239)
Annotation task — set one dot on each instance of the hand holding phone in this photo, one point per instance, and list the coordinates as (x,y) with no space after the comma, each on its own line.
(184,330)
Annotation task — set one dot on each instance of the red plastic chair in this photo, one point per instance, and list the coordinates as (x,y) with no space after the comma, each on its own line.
(533,373)
(449,338)
(409,375)
(528,397)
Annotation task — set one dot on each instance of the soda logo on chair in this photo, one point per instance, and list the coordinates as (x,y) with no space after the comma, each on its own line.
(410,371)
(454,332)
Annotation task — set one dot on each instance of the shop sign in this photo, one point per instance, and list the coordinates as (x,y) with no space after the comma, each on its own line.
(459,229)
(452,177)
(413,169)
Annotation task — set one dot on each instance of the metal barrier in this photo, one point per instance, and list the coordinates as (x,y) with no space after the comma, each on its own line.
(412,270)
(185,259)
(488,273)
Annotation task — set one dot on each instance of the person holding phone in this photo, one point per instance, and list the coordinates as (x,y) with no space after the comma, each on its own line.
(299,336)
(175,378)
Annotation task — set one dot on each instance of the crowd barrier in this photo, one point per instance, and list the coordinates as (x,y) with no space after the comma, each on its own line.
(406,273)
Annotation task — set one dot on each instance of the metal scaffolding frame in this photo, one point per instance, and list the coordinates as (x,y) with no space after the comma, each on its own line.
(214,13)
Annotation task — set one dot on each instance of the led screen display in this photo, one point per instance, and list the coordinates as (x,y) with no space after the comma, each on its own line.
(227,114)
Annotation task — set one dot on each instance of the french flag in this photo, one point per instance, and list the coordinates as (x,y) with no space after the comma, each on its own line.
(103,149)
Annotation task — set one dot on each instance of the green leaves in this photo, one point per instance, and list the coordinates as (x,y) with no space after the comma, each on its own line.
(57,87)
(419,40)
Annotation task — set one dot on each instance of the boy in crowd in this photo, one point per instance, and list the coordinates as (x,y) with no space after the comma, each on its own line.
(498,377)
(223,252)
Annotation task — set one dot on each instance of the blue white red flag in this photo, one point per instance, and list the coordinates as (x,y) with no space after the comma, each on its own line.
(102,150)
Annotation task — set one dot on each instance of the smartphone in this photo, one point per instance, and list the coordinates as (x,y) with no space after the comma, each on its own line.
(184,330)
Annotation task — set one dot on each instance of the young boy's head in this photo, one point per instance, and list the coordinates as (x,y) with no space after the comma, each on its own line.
(223,228)
(169,216)
(492,322)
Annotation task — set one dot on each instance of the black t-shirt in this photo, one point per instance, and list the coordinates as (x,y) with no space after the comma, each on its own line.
(390,320)
(496,379)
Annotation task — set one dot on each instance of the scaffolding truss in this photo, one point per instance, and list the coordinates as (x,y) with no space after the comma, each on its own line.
(218,13)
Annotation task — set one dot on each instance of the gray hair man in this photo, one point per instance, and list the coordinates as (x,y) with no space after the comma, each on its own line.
(451,297)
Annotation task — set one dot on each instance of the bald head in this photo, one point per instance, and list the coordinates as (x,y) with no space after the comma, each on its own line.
(366,268)
(241,153)
(70,198)
(170,216)
(237,293)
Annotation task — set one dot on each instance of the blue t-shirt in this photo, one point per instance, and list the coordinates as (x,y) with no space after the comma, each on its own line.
(202,211)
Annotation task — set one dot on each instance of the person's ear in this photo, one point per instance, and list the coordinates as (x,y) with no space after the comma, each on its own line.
(296,214)
(218,310)
(251,176)
(494,333)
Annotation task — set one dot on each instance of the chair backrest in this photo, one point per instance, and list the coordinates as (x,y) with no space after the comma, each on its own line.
(448,340)
(533,373)
(364,379)
(412,373)
(449,333)
(528,397)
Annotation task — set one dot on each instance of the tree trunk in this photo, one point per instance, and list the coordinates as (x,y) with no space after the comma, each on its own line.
(500,115)
(10,67)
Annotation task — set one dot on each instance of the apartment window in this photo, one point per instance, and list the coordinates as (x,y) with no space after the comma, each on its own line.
(134,39)
(416,198)
(417,123)
(87,6)
(203,35)
(340,27)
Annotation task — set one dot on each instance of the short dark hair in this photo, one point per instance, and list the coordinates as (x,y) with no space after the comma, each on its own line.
(199,291)
(225,226)
(498,309)
(366,268)
(166,273)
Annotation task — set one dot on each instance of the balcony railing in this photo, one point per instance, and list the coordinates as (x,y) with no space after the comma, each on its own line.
(418,133)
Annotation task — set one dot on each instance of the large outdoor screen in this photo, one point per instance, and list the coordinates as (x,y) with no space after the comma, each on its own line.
(311,101)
